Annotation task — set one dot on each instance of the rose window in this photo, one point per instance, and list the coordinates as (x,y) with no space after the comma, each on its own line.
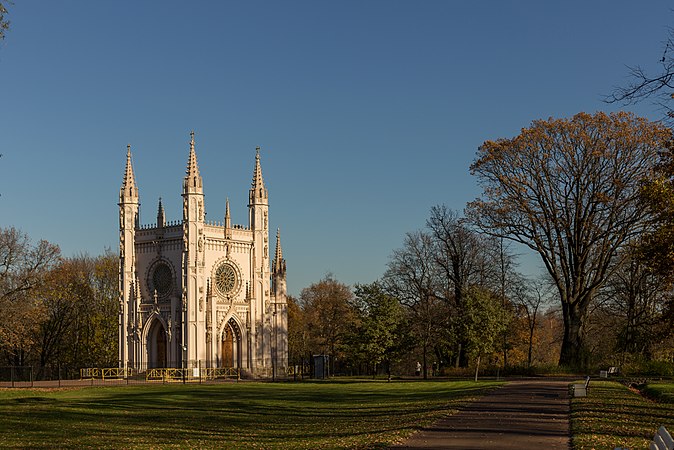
(225,279)
(162,280)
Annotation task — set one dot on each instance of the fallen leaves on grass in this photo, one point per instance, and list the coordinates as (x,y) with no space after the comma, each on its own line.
(613,416)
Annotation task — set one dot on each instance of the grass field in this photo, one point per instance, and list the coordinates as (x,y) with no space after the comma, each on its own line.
(233,415)
(614,416)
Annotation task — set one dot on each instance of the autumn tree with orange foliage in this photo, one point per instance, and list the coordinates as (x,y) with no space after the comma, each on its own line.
(23,270)
(80,305)
(329,316)
(569,189)
(657,246)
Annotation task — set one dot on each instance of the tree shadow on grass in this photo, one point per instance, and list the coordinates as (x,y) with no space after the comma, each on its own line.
(611,415)
(280,416)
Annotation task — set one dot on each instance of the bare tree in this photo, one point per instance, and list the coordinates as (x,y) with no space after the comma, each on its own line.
(459,253)
(569,190)
(636,298)
(657,85)
(529,296)
(4,23)
(412,278)
(464,259)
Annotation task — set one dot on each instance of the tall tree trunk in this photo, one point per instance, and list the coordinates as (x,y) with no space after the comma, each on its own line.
(425,369)
(573,352)
(531,344)
(459,355)
(477,367)
(332,360)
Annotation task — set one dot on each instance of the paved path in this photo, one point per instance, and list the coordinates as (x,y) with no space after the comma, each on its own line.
(529,414)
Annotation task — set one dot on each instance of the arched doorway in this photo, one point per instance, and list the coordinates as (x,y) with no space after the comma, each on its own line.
(230,345)
(156,345)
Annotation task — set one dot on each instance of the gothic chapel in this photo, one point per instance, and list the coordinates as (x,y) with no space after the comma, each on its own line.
(200,294)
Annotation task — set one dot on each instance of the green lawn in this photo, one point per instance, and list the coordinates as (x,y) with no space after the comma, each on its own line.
(613,416)
(662,392)
(234,415)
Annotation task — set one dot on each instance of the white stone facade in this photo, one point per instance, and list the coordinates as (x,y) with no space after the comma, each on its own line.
(201,294)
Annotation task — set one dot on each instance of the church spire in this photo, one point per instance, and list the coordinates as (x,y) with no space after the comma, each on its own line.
(258,193)
(161,216)
(278,271)
(228,220)
(279,264)
(192,178)
(128,189)
(258,182)
(128,225)
(279,252)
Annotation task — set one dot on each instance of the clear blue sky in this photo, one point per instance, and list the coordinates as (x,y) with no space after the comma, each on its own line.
(368,113)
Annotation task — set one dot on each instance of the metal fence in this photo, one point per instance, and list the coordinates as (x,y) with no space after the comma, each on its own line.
(17,376)
(59,376)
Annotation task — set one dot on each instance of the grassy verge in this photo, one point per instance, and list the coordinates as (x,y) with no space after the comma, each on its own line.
(613,416)
(662,392)
(243,415)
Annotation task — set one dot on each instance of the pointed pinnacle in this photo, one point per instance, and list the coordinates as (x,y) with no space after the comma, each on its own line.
(279,251)
(192,166)
(258,182)
(129,182)
(227,216)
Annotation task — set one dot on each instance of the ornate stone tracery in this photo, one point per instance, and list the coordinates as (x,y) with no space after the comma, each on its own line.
(160,280)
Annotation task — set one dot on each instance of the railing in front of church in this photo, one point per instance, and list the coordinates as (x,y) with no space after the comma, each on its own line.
(193,374)
(103,373)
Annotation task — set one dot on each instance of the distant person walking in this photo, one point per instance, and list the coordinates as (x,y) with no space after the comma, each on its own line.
(417,372)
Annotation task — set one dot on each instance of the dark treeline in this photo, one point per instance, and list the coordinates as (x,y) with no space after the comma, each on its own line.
(449,299)
(56,312)
(452,300)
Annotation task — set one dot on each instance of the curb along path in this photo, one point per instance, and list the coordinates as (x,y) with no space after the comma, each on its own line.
(528,414)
